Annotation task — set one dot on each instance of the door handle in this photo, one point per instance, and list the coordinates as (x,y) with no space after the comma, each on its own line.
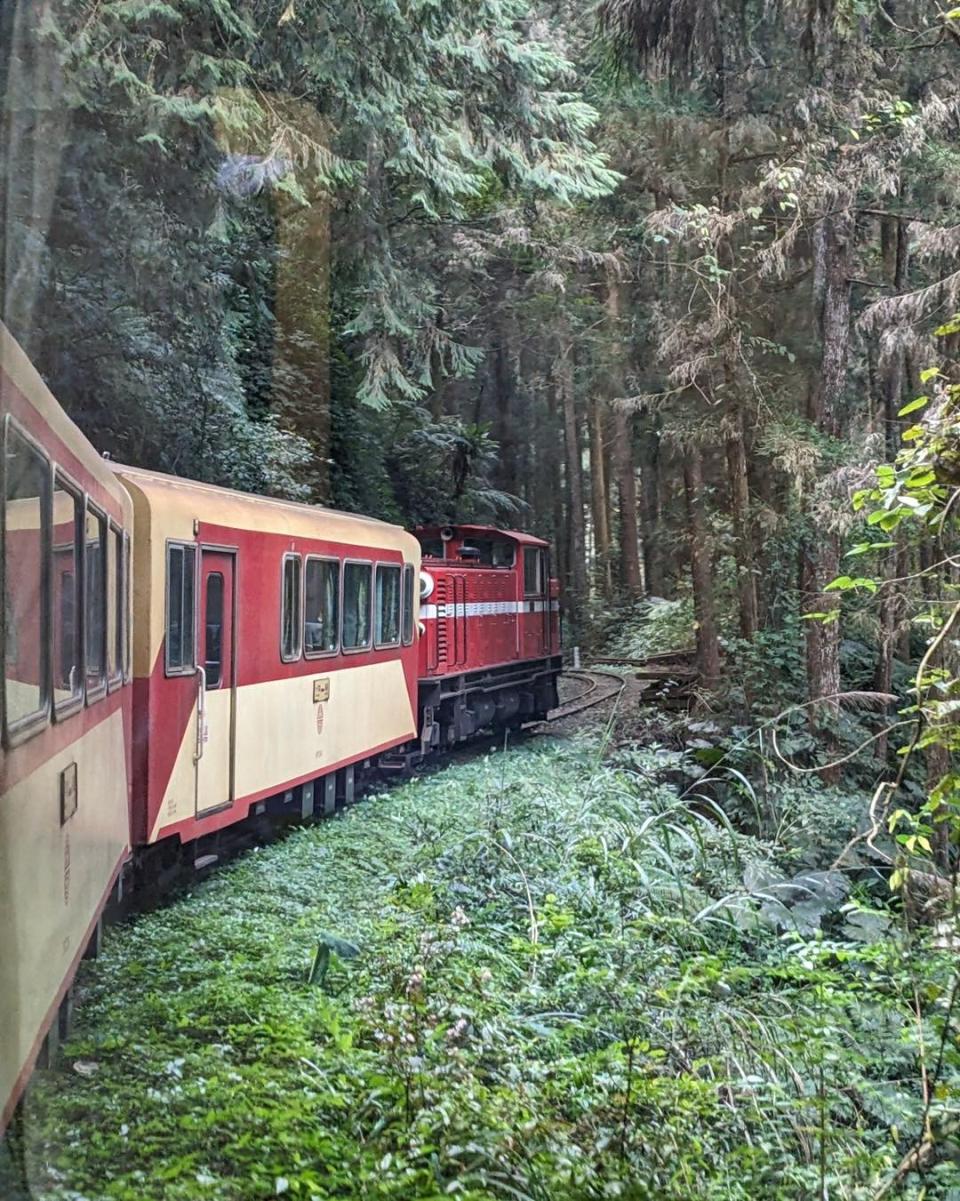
(201,712)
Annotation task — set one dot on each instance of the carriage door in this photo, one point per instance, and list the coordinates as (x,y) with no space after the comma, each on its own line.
(216,708)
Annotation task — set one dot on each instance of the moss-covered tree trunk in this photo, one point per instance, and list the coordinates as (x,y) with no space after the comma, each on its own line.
(624,467)
(701,570)
(823,550)
(564,385)
(598,499)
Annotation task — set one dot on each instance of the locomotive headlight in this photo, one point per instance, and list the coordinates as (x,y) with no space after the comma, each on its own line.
(426,585)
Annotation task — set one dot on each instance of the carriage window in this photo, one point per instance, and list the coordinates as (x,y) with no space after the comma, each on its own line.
(114,593)
(408,603)
(26,532)
(67,524)
(388,606)
(357,578)
(321,616)
(95,609)
(213,655)
(432,547)
(181,608)
(290,626)
(532,571)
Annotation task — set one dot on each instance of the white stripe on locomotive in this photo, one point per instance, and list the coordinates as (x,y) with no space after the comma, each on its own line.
(486,608)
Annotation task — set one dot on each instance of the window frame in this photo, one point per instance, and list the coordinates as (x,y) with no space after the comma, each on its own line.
(391,645)
(308,559)
(409,573)
(116,680)
(512,546)
(296,626)
(191,548)
(73,703)
(30,724)
(99,689)
(208,683)
(127,608)
(367,647)
(542,589)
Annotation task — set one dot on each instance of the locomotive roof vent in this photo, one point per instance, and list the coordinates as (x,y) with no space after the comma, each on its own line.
(446,533)
(469,552)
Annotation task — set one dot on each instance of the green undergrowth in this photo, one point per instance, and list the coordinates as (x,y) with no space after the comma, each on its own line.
(533,976)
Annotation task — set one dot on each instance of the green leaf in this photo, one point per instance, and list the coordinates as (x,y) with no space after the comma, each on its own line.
(327,945)
(826,616)
(929,373)
(913,406)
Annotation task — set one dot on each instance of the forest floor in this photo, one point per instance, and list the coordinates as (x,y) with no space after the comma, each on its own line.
(547,973)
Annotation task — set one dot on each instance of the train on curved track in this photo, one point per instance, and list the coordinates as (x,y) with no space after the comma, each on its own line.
(181,659)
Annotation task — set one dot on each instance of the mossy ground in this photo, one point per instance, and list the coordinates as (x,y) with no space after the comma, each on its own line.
(563,989)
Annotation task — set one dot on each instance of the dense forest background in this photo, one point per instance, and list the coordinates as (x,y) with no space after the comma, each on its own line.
(654,280)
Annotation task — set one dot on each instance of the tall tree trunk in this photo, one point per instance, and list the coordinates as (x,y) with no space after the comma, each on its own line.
(598,499)
(627,494)
(623,461)
(34,132)
(302,286)
(567,403)
(701,571)
(823,553)
(438,378)
(736,452)
(651,540)
(503,385)
(302,308)
(735,441)
(895,256)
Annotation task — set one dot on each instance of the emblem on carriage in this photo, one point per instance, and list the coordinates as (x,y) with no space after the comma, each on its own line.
(319,719)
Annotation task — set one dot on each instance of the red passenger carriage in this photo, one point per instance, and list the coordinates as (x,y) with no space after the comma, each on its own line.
(274,650)
(65,706)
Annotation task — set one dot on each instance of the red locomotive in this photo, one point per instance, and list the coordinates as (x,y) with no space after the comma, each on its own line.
(490,631)
(276,649)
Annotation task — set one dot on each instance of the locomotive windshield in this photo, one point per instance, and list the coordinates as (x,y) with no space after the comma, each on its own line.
(493,552)
(431,547)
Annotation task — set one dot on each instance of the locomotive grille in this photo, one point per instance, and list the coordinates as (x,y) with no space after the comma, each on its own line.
(441,623)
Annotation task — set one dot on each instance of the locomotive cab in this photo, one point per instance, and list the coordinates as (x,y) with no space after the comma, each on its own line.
(490,631)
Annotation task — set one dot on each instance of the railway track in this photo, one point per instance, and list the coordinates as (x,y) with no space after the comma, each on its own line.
(601,686)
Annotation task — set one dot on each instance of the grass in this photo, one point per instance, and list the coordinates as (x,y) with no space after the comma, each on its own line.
(532,976)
